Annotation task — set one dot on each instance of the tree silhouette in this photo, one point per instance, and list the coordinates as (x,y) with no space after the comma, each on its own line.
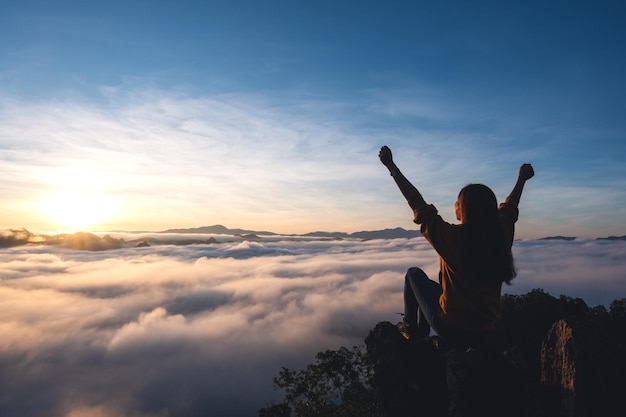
(338,384)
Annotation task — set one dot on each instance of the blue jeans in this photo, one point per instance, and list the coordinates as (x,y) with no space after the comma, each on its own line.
(421,301)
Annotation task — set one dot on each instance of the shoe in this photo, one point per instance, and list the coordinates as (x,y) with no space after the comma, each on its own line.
(437,342)
(409,332)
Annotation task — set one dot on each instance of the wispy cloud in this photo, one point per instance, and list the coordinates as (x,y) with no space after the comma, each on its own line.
(284,161)
(205,156)
(188,330)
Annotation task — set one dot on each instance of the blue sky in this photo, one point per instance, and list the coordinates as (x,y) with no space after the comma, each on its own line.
(269,115)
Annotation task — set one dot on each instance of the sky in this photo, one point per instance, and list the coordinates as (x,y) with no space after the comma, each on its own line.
(201,330)
(268,115)
(151,115)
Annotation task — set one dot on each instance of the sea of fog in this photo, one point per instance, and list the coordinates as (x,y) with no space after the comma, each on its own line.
(199,330)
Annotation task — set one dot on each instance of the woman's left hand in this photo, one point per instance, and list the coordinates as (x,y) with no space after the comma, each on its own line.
(385,156)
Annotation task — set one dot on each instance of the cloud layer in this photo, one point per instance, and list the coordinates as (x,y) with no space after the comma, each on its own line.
(201,329)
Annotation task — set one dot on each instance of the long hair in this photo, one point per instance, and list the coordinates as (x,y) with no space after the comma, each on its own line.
(485,244)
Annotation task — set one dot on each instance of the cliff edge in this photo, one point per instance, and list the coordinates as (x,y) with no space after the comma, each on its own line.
(552,357)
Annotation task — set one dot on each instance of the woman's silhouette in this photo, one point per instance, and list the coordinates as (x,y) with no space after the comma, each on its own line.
(475,259)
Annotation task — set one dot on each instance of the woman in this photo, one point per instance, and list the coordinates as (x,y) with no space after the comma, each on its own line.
(475,259)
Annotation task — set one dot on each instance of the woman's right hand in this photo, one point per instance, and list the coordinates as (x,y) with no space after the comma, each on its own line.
(526,172)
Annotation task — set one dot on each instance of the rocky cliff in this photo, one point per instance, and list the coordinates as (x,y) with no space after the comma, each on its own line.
(551,357)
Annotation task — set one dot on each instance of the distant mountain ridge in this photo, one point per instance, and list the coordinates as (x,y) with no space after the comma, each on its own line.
(218,229)
(97,242)
(396,233)
(613,238)
(558,238)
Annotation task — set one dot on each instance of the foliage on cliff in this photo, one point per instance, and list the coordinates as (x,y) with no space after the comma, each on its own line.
(343,383)
(338,384)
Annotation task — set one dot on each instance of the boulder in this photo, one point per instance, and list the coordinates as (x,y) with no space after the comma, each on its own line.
(425,377)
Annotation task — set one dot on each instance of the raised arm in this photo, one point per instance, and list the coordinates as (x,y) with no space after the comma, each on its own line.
(526,172)
(408,190)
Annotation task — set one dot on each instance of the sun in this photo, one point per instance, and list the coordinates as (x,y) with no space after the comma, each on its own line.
(78,209)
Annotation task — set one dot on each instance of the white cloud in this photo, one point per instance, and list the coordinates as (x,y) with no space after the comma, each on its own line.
(281,162)
(221,157)
(589,269)
(191,330)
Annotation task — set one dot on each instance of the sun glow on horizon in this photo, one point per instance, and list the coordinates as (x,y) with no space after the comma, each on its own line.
(77,210)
